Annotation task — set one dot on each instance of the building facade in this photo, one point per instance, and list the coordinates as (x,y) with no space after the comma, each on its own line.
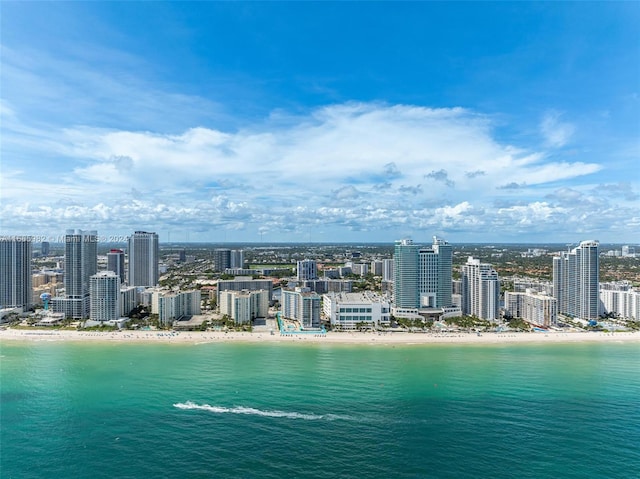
(104,288)
(307,270)
(143,259)
(80,263)
(247,283)
(301,305)
(480,290)
(576,276)
(171,306)
(115,263)
(621,299)
(538,308)
(236,259)
(244,306)
(422,275)
(15,272)
(352,310)
(221,259)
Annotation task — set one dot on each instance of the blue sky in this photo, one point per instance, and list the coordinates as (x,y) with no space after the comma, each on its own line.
(233,121)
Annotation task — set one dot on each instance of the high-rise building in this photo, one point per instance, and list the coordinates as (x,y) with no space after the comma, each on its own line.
(532,306)
(244,306)
(307,269)
(15,272)
(221,259)
(376,267)
(620,298)
(171,306)
(387,270)
(236,259)
(240,283)
(143,259)
(422,275)
(115,263)
(406,274)
(128,300)
(480,290)
(576,281)
(435,274)
(104,288)
(44,248)
(80,263)
(301,305)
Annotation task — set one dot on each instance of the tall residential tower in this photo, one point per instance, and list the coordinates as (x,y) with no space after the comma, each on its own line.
(576,281)
(80,263)
(15,272)
(480,290)
(115,263)
(143,259)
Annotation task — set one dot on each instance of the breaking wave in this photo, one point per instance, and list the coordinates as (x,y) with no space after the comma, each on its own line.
(258,412)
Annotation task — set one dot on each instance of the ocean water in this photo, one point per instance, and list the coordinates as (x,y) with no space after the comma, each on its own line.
(329,411)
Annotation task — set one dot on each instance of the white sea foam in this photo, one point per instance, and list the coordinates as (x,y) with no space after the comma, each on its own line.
(258,412)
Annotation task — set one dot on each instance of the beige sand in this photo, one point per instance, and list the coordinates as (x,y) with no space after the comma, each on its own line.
(331,337)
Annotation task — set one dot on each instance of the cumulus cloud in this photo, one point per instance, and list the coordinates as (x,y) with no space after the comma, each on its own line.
(354,166)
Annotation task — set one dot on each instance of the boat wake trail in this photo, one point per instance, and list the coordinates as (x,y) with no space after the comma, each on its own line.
(258,412)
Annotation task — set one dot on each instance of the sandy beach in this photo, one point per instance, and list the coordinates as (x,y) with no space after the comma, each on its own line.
(403,338)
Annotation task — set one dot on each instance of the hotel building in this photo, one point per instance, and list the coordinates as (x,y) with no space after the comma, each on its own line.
(422,275)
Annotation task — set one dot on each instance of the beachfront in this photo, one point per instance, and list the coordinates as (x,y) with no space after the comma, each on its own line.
(193,337)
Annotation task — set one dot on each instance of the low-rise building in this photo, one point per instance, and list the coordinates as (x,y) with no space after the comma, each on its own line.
(353,310)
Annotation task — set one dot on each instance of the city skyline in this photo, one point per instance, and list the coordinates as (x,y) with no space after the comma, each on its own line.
(322,122)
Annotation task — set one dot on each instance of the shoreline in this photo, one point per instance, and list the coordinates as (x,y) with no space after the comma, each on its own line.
(395,338)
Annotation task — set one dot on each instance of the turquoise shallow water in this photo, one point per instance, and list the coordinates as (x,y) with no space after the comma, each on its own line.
(332,411)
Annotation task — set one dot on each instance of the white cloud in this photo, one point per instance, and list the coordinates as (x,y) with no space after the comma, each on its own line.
(349,167)
(555,132)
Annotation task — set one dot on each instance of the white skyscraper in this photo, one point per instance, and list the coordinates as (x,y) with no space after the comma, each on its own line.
(143,259)
(576,281)
(480,290)
(104,288)
(15,272)
(80,263)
